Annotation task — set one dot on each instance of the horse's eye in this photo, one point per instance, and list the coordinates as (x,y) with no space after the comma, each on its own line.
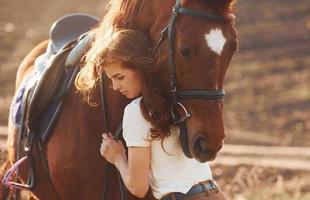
(185,52)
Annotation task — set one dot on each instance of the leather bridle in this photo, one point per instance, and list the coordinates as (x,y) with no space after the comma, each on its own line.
(175,94)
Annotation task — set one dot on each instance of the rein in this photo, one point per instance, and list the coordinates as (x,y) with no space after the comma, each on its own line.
(118,132)
(175,94)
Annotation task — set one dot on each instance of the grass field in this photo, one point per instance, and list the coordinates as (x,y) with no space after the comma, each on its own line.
(267,83)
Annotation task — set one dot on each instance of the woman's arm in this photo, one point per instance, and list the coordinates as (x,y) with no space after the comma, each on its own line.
(135,170)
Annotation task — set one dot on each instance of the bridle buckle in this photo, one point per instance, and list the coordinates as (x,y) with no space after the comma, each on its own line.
(175,118)
(175,10)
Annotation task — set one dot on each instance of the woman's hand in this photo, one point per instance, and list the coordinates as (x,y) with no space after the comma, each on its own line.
(138,163)
(113,151)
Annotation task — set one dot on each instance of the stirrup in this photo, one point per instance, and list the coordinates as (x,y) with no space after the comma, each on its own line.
(8,176)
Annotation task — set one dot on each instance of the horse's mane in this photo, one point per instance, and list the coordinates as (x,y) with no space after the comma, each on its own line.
(120,13)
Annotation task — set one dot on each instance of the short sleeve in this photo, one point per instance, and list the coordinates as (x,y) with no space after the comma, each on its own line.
(136,129)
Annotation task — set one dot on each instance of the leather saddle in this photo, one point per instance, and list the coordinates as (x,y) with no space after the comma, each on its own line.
(56,69)
(41,100)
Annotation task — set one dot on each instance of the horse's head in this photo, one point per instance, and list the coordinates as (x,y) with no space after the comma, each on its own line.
(199,45)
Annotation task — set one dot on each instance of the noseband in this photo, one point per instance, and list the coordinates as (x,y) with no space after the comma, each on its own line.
(176,94)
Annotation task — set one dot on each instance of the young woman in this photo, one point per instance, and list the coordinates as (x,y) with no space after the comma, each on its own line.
(154,157)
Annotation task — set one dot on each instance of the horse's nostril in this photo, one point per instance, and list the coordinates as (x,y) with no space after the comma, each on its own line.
(201,150)
(200,145)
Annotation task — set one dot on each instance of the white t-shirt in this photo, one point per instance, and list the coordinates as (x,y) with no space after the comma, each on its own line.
(172,172)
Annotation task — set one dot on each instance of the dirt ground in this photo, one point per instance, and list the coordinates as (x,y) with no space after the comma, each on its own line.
(247,182)
(267,83)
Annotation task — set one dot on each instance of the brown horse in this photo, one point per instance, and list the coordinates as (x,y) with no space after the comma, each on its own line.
(203,43)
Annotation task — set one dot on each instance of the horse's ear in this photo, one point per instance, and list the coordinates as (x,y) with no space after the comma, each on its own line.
(226,4)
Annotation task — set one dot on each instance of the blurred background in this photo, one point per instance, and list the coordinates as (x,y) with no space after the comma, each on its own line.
(267,107)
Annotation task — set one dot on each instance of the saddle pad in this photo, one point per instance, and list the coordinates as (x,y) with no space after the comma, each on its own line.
(16,105)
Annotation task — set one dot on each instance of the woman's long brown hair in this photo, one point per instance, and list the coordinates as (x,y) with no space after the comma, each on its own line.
(132,48)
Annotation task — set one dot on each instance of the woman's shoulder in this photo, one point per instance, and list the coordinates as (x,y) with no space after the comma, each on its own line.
(136,101)
(135,127)
(133,110)
(134,104)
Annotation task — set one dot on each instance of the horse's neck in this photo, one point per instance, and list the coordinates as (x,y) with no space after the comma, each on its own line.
(93,116)
(154,17)
(147,16)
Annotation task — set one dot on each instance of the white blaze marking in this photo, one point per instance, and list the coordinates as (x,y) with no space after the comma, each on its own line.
(216,40)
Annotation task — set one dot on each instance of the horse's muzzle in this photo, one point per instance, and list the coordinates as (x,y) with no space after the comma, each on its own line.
(201,151)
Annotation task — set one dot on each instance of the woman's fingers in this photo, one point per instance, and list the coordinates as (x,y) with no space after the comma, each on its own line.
(110,135)
(107,135)
(101,149)
(108,144)
(104,136)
